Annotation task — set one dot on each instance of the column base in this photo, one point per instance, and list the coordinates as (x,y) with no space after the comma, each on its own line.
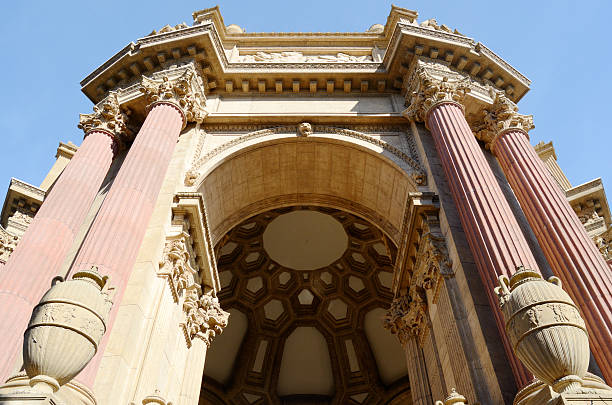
(17,391)
(593,392)
(29,399)
(591,397)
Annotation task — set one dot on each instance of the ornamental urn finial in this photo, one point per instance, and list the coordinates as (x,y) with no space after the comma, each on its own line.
(65,329)
(545,329)
(454,398)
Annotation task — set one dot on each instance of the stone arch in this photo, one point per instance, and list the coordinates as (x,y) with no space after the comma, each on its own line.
(272,169)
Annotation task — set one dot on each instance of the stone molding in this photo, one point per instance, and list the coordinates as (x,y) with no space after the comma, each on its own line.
(427,89)
(418,173)
(209,40)
(500,117)
(21,204)
(185,91)
(108,118)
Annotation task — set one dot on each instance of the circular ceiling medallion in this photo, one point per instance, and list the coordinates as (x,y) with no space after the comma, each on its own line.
(305,240)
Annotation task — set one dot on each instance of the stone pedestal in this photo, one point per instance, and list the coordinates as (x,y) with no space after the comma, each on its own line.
(17,391)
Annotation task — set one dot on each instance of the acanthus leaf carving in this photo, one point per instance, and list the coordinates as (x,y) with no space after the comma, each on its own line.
(433,264)
(8,243)
(177,265)
(204,318)
(407,318)
(107,117)
(394,320)
(426,90)
(185,92)
(501,116)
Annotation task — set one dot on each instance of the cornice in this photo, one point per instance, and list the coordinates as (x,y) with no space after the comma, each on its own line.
(207,40)
(591,186)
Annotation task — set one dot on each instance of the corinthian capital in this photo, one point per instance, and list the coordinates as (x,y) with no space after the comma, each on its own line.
(182,88)
(407,318)
(428,87)
(107,117)
(204,318)
(501,116)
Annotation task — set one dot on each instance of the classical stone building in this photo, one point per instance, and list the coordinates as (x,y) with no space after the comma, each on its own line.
(305,218)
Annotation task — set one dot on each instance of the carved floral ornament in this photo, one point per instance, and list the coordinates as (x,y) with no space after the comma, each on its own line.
(8,243)
(501,116)
(203,316)
(186,92)
(107,117)
(426,90)
(407,316)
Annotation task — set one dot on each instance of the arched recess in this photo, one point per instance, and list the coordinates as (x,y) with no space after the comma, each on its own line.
(329,170)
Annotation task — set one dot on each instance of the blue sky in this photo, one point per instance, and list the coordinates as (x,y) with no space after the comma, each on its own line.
(564,47)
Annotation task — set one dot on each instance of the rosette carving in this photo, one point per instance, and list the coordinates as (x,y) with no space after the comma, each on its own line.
(501,116)
(426,90)
(107,117)
(184,91)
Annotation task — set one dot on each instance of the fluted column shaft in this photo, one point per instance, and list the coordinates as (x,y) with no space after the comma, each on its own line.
(116,234)
(572,255)
(40,254)
(417,373)
(493,233)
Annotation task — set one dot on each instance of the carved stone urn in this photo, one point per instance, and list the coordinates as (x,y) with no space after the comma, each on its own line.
(545,329)
(65,329)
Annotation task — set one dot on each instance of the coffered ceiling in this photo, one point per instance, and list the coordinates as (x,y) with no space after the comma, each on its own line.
(306,288)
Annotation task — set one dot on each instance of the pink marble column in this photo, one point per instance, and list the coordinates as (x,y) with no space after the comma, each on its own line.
(572,255)
(493,232)
(40,254)
(116,234)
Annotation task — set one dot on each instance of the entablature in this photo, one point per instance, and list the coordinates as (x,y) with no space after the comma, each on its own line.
(233,62)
